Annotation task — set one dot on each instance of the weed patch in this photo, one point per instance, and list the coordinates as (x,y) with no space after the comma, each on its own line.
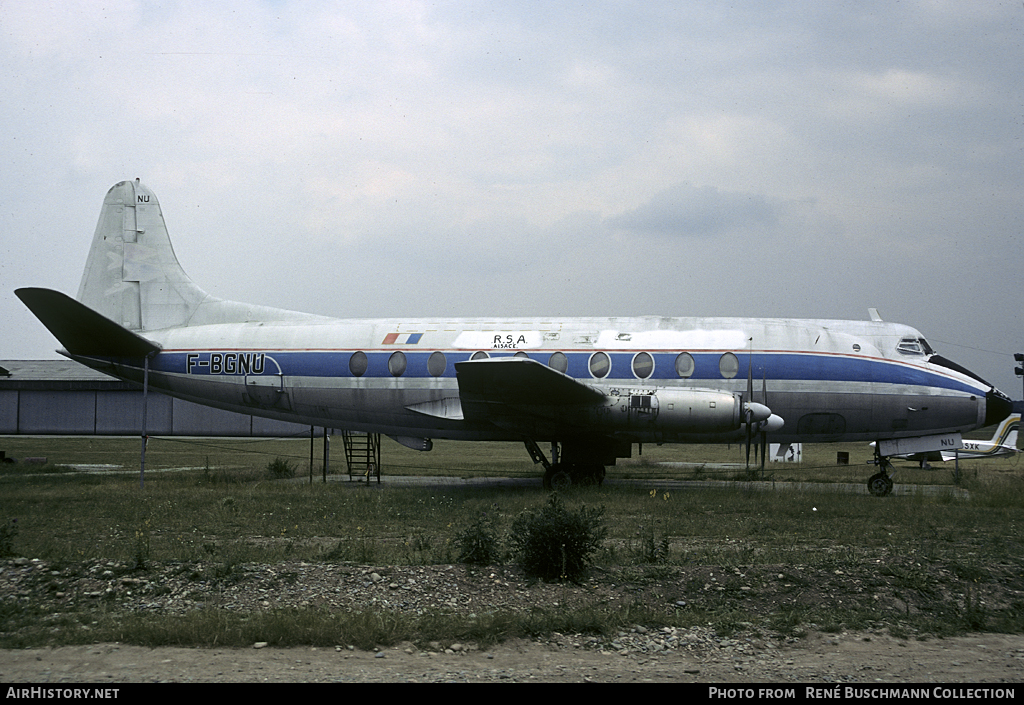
(557,543)
(279,469)
(8,532)
(479,543)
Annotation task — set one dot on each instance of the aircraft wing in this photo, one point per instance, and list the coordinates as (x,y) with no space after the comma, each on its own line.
(514,380)
(511,391)
(82,331)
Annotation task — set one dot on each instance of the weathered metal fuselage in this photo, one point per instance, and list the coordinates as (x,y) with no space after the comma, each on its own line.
(665,380)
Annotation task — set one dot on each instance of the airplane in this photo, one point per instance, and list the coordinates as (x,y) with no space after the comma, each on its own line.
(591,387)
(1003,443)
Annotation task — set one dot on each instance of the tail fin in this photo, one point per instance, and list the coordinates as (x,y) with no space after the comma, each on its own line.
(1006,432)
(133,277)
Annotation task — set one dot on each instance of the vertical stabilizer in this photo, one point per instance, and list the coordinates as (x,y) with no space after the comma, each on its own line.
(132,275)
(1006,434)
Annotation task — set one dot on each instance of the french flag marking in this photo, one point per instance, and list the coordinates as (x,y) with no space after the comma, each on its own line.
(402,338)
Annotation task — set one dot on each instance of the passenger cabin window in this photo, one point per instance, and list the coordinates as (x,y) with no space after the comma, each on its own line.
(479,355)
(728,365)
(685,365)
(643,365)
(437,364)
(358,364)
(397,364)
(600,365)
(558,361)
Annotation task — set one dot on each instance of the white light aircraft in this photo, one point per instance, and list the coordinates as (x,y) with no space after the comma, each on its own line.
(592,387)
(1002,444)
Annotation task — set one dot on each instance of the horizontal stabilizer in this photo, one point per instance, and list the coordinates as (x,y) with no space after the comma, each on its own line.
(520,381)
(82,331)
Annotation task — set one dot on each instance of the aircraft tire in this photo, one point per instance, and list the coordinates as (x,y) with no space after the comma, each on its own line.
(585,475)
(879,484)
(557,478)
(561,480)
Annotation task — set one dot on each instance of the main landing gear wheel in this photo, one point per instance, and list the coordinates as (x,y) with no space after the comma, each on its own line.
(556,478)
(880,484)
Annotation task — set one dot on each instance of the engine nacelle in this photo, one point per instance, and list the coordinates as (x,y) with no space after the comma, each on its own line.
(679,410)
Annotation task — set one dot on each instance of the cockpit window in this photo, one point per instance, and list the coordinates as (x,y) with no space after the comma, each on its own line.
(914,346)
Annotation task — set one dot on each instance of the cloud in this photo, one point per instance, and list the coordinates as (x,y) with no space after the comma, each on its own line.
(704,211)
(405,157)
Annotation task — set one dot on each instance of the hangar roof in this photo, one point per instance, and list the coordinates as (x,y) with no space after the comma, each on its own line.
(55,375)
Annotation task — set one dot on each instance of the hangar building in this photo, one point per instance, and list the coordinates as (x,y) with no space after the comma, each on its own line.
(61,397)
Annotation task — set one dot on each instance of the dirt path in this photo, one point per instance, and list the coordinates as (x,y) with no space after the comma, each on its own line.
(819,658)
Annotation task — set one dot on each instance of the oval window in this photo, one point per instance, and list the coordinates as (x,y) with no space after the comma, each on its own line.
(728,365)
(522,355)
(600,365)
(397,364)
(684,365)
(437,364)
(558,361)
(643,365)
(479,355)
(358,363)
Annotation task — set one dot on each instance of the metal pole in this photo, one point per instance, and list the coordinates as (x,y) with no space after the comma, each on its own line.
(145,403)
(327,452)
(311,435)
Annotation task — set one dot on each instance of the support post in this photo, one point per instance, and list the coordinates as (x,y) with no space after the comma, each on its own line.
(145,404)
(327,453)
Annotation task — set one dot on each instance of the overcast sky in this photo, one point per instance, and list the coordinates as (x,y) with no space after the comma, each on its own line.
(793,159)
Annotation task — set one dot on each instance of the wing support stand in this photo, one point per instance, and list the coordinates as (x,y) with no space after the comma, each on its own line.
(145,404)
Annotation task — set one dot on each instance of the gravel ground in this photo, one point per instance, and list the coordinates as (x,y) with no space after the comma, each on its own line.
(849,659)
(635,654)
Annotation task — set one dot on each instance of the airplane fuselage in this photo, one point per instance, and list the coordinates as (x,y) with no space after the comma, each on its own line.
(828,380)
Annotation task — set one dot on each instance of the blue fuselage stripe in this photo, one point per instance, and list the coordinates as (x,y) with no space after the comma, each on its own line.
(810,367)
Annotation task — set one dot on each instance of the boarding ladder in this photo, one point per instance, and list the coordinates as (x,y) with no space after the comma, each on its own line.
(362,454)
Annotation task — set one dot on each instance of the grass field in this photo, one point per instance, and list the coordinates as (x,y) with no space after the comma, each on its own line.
(461,459)
(225,507)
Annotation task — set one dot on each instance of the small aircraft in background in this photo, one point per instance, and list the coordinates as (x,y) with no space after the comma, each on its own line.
(591,387)
(1002,444)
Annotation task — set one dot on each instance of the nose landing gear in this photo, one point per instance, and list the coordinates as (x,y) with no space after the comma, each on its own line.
(880,484)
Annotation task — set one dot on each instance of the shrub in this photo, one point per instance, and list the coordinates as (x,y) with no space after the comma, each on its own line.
(479,544)
(7,533)
(280,468)
(557,543)
(647,548)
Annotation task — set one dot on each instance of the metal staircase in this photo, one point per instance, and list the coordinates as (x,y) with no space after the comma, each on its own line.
(362,454)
